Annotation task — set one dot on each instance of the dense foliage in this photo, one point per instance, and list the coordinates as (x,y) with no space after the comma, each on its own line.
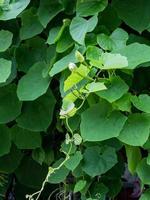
(74,99)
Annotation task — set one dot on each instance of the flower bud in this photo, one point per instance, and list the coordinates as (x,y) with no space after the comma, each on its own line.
(72,66)
(79,57)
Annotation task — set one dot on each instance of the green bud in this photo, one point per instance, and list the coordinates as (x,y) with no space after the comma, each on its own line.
(79,57)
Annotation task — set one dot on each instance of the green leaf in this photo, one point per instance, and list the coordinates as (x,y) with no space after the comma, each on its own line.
(63,63)
(143,171)
(5,40)
(93,53)
(90,7)
(65,41)
(116,88)
(119,38)
(137,16)
(53,33)
(33,85)
(104,41)
(37,115)
(142,102)
(136,130)
(30,173)
(78,29)
(74,161)
(95,86)
(76,76)
(48,10)
(38,155)
(131,51)
(145,195)
(10,162)
(101,160)
(79,186)
(31,25)
(14,9)
(133,157)
(25,139)
(5,69)
(100,119)
(5,141)
(59,175)
(124,103)
(10,107)
(80,26)
(113,61)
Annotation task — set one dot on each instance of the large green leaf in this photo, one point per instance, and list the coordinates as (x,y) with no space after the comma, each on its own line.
(5,141)
(25,139)
(48,10)
(99,123)
(90,7)
(101,160)
(5,69)
(136,15)
(13,9)
(143,171)
(136,130)
(5,40)
(10,107)
(131,51)
(80,26)
(31,25)
(116,88)
(33,84)
(30,173)
(37,115)
(142,102)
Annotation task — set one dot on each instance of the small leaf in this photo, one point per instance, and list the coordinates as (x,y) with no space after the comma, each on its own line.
(5,69)
(38,155)
(113,61)
(79,186)
(5,40)
(95,86)
(142,102)
(74,161)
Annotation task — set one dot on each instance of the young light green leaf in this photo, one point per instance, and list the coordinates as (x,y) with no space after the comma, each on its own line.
(76,76)
(95,86)
(5,69)
(5,40)
(114,61)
